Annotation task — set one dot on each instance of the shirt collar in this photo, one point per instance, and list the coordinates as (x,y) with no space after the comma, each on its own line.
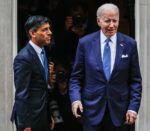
(103,38)
(36,48)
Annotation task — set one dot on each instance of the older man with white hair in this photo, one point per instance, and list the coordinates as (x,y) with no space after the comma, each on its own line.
(106,84)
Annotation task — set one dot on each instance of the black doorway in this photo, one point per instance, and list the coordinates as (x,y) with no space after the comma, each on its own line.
(57,10)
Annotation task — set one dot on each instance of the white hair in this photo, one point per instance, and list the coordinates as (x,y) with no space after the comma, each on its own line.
(106,6)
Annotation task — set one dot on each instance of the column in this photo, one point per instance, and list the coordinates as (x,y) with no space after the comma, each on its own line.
(8,37)
(142,30)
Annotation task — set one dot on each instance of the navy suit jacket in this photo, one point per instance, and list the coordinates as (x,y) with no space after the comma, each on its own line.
(32,95)
(88,82)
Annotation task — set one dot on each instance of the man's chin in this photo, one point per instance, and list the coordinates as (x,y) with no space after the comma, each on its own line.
(110,34)
(48,42)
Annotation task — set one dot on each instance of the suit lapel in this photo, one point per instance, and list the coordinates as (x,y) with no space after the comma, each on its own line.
(119,50)
(37,60)
(96,45)
(97,50)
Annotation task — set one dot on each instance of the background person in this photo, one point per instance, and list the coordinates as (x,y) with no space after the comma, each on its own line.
(76,24)
(61,95)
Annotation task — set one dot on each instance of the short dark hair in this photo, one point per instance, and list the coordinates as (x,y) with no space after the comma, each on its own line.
(33,22)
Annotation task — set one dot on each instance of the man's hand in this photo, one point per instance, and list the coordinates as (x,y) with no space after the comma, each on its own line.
(52,78)
(130,117)
(52,124)
(75,107)
(27,129)
(68,22)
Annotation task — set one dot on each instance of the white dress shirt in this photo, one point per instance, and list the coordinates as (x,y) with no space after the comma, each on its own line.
(37,49)
(112,45)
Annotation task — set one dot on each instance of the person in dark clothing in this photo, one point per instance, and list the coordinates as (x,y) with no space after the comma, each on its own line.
(70,123)
(31,108)
(76,25)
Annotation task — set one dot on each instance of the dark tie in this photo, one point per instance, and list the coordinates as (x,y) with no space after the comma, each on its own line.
(45,65)
(107,59)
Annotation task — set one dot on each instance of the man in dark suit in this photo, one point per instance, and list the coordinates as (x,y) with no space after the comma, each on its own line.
(105,84)
(31,108)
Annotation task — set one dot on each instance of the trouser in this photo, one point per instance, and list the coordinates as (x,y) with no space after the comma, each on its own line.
(43,124)
(106,125)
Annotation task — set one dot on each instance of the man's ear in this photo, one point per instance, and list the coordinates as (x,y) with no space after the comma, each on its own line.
(98,21)
(32,33)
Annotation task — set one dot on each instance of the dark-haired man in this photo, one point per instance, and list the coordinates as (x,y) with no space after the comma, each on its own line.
(31,108)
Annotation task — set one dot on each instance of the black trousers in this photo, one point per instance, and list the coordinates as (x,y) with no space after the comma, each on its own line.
(21,129)
(107,125)
(42,125)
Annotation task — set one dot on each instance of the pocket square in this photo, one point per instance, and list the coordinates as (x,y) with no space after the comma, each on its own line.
(124,56)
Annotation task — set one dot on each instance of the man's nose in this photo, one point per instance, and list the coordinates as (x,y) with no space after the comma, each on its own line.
(49,32)
(111,24)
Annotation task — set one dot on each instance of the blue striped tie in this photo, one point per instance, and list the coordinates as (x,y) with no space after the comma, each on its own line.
(107,59)
(45,65)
